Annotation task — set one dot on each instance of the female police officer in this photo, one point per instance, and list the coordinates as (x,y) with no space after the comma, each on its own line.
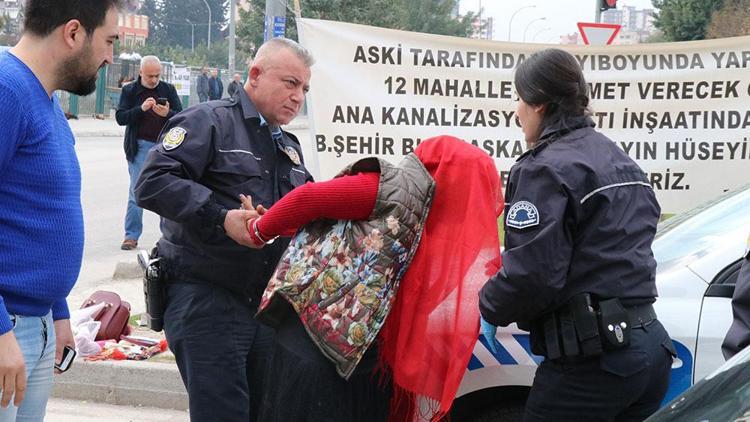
(578,270)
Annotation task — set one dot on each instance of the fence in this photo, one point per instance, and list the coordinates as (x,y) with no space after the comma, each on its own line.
(109,84)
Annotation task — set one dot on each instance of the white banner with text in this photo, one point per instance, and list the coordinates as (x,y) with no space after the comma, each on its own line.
(681,110)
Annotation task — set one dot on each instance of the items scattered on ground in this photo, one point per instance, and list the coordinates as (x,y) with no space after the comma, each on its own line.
(102,331)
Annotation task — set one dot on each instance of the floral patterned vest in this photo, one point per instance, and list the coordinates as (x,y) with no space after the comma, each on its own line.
(341,277)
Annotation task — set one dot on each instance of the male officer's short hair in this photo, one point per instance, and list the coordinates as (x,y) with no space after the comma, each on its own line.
(277,44)
(43,16)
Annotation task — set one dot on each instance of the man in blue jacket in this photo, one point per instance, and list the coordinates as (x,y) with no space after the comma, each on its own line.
(215,86)
(63,46)
(145,106)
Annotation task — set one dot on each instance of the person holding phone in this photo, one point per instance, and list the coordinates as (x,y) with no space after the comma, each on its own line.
(145,106)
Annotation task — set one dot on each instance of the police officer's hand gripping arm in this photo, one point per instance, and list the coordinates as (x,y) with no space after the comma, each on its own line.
(537,251)
(169,183)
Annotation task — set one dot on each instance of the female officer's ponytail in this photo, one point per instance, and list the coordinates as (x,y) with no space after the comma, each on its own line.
(553,78)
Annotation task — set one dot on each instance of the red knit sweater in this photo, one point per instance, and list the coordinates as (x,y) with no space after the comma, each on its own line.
(343,198)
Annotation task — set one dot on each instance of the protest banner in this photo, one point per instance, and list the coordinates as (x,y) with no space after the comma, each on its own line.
(681,110)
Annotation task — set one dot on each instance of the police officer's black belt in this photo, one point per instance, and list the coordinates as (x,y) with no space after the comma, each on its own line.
(641,316)
(586,327)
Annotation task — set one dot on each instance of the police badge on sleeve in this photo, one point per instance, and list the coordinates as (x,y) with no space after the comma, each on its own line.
(173,138)
(522,215)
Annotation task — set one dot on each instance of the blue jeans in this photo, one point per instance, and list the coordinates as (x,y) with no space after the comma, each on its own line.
(134,213)
(36,338)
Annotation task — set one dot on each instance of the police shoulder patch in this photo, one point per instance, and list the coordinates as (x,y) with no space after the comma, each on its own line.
(521,215)
(174,138)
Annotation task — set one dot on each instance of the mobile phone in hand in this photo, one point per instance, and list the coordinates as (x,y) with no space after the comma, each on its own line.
(69,354)
(161,101)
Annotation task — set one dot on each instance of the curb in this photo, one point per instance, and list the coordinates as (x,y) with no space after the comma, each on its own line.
(130,383)
(99,134)
(127,270)
(119,132)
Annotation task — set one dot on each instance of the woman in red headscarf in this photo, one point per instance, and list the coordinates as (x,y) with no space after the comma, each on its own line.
(413,243)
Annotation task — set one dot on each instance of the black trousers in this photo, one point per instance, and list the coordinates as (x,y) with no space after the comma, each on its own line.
(221,350)
(625,385)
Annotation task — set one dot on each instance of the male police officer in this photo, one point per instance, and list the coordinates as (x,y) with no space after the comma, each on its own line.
(208,156)
(738,335)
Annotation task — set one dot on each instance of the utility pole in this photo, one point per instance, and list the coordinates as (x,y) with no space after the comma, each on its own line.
(275,19)
(598,15)
(232,15)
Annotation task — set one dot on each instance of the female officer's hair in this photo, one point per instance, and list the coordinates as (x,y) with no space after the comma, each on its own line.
(41,17)
(553,78)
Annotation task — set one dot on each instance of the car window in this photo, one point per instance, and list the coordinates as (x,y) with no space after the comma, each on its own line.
(687,237)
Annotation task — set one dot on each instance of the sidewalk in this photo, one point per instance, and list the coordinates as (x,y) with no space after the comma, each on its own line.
(91,127)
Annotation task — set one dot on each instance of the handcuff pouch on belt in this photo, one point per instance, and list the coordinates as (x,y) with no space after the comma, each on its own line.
(153,289)
(583,327)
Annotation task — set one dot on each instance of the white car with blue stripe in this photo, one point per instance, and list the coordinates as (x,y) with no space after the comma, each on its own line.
(698,256)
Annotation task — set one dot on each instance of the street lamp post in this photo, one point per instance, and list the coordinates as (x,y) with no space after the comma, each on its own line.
(232,32)
(541,31)
(192,36)
(510,23)
(209,23)
(529,25)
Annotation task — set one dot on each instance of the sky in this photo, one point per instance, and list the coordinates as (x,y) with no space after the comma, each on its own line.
(560,16)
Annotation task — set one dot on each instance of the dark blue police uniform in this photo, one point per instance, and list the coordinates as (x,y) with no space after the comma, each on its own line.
(580,218)
(208,155)
(738,335)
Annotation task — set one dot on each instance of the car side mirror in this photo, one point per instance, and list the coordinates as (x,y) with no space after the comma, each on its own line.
(720,290)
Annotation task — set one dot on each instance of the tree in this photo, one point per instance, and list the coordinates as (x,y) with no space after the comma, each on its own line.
(684,20)
(171,22)
(732,20)
(153,10)
(434,17)
(430,16)
(216,56)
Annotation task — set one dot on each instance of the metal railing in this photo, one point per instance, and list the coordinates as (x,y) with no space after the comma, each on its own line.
(109,85)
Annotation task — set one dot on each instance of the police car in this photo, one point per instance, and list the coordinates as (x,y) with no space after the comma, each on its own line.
(721,396)
(698,256)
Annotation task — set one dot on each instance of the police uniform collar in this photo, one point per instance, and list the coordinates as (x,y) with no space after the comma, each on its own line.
(275,130)
(534,150)
(248,108)
(557,130)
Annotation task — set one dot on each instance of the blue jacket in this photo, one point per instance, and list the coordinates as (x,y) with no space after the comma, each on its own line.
(215,88)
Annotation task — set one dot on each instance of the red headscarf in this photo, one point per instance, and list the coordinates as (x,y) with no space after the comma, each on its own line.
(430,333)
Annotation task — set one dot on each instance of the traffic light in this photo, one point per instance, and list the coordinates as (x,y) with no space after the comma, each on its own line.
(607,4)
